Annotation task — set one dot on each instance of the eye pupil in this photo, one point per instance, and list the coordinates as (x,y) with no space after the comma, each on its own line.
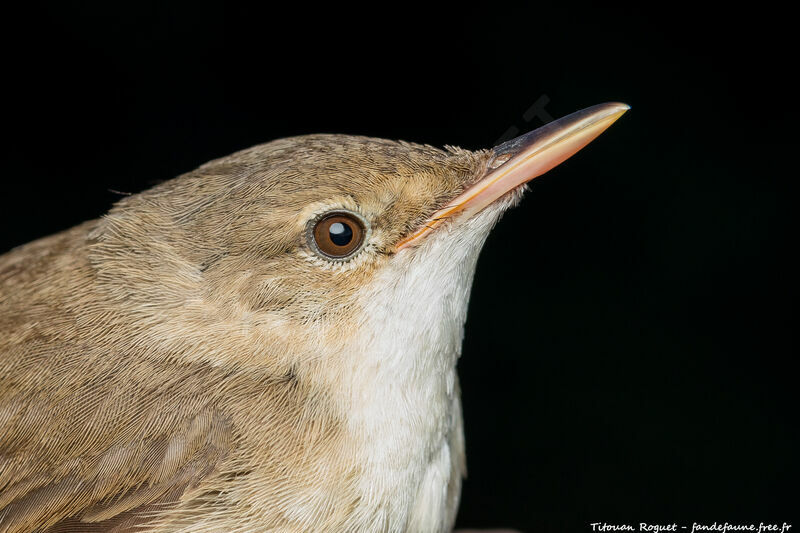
(341,234)
(337,235)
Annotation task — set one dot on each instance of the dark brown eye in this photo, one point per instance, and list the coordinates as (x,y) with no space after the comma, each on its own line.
(338,235)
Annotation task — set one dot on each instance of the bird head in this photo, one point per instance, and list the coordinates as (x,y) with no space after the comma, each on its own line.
(316,248)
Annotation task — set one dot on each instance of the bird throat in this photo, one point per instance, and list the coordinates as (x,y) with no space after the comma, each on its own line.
(404,409)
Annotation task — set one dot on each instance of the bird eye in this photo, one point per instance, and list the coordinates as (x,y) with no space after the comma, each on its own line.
(337,235)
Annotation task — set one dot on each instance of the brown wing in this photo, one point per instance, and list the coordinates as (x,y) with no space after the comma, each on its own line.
(106,445)
(92,438)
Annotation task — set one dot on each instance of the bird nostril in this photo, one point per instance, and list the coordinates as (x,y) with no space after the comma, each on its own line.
(499,160)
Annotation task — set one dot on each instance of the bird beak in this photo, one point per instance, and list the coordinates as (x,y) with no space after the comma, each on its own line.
(520,160)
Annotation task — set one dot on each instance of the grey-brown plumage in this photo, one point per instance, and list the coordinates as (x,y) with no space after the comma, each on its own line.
(198,361)
(140,371)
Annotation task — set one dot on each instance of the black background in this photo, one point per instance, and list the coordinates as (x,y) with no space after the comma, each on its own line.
(628,353)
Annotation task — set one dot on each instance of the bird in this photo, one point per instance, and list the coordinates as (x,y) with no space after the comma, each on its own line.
(265,343)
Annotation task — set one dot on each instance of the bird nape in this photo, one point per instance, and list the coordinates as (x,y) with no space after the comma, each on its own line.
(266,343)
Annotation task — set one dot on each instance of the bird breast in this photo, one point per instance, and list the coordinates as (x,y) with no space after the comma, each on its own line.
(402,387)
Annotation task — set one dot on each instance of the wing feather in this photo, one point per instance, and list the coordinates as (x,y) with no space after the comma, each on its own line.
(93,436)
